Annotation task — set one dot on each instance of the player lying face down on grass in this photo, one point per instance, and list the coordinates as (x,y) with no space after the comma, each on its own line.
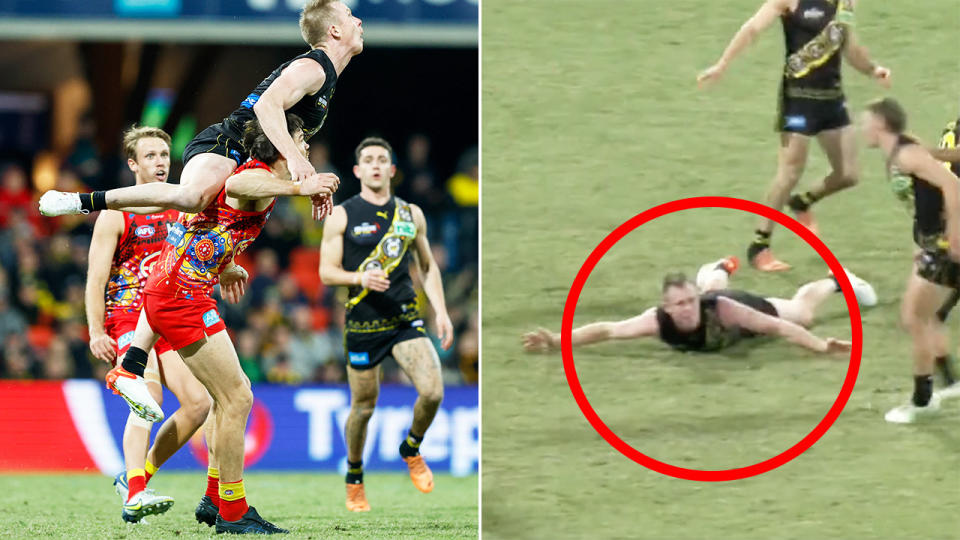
(930,193)
(711,317)
(178,307)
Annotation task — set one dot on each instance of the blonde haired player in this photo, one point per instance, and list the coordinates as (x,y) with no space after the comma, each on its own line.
(122,252)
(303,86)
(707,316)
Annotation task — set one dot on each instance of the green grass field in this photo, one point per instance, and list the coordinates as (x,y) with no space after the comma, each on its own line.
(310,505)
(591,115)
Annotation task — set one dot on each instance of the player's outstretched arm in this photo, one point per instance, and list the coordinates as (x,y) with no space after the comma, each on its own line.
(755,25)
(733,313)
(106,233)
(300,78)
(254,184)
(950,155)
(858,57)
(432,282)
(914,159)
(643,325)
(331,258)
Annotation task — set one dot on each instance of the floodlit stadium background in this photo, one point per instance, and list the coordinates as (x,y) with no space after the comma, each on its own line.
(77,74)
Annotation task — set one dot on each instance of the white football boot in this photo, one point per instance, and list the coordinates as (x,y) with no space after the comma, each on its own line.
(60,203)
(145,503)
(866,296)
(134,389)
(910,413)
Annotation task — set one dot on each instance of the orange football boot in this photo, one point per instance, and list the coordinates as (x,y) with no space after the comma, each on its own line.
(357,498)
(420,473)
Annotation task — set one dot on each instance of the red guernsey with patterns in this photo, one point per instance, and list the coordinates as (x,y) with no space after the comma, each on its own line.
(137,250)
(201,245)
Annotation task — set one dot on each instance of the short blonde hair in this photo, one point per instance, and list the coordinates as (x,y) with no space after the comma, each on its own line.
(135,133)
(316,18)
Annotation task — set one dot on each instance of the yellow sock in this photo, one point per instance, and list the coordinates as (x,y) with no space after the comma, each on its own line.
(150,468)
(231,491)
(134,472)
(213,472)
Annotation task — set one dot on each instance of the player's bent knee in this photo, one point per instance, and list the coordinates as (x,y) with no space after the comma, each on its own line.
(849,178)
(433,396)
(363,412)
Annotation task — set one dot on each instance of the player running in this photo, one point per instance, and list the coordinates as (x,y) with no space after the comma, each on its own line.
(812,103)
(303,86)
(369,242)
(930,192)
(177,307)
(122,251)
(709,317)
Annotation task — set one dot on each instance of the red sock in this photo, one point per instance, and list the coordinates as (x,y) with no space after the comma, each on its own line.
(136,482)
(146,477)
(233,501)
(213,485)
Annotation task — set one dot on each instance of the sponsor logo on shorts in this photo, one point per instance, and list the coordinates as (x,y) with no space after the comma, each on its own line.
(144,231)
(359,358)
(796,122)
(125,339)
(417,323)
(211,318)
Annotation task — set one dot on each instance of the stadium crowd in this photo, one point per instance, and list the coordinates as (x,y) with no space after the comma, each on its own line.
(288,327)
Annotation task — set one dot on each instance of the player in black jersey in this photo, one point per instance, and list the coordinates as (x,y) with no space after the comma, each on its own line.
(931,193)
(303,86)
(812,103)
(708,317)
(370,243)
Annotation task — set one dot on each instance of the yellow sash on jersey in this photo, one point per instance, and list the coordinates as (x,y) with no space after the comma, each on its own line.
(949,140)
(824,45)
(391,248)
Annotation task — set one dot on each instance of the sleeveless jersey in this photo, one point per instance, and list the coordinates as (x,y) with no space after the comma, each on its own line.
(949,139)
(136,252)
(312,108)
(923,199)
(811,70)
(201,245)
(366,225)
(710,334)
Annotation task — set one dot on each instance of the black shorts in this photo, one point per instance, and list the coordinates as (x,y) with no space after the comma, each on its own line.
(216,139)
(365,350)
(935,266)
(811,116)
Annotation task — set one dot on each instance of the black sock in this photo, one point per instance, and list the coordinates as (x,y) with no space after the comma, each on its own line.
(922,389)
(945,366)
(836,283)
(411,445)
(802,202)
(92,202)
(354,472)
(761,241)
(135,361)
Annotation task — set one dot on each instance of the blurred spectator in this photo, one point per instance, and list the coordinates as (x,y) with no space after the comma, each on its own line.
(11,321)
(57,364)
(464,188)
(265,276)
(18,361)
(248,349)
(14,193)
(308,350)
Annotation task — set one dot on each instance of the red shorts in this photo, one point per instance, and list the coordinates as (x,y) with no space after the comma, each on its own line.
(182,321)
(121,327)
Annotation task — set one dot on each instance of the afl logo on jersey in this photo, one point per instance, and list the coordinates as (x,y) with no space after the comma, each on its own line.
(145,231)
(392,247)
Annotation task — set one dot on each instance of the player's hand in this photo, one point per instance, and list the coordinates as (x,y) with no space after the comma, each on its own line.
(300,168)
(711,74)
(233,283)
(882,75)
(375,280)
(838,346)
(540,341)
(103,347)
(445,330)
(323,184)
(322,206)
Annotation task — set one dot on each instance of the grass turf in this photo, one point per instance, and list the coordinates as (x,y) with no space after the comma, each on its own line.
(310,505)
(591,115)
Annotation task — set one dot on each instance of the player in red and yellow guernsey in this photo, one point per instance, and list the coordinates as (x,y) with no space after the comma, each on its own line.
(122,252)
(178,307)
